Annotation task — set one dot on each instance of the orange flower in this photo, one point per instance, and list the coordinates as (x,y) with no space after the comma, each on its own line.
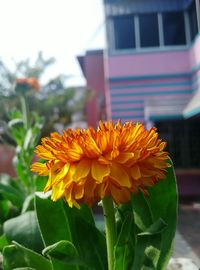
(84,166)
(24,84)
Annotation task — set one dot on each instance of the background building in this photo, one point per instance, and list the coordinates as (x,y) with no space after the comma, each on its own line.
(150,73)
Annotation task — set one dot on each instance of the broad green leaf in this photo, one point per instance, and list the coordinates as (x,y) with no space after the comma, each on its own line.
(63,251)
(54,225)
(163,203)
(59,222)
(154,250)
(147,252)
(89,241)
(33,259)
(124,248)
(155,228)
(147,249)
(12,258)
(53,221)
(24,230)
(142,212)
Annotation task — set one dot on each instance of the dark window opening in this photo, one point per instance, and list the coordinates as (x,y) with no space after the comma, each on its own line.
(193,20)
(149,36)
(124,32)
(183,142)
(174,28)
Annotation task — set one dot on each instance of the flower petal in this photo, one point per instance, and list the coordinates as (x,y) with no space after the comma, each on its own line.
(135,172)
(99,171)
(82,169)
(120,195)
(41,168)
(124,157)
(119,174)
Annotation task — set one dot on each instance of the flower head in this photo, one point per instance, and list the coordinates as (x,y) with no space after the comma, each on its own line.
(115,160)
(25,84)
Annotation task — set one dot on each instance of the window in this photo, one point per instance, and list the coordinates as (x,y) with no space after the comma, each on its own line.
(124,32)
(174,28)
(193,20)
(149,36)
(183,142)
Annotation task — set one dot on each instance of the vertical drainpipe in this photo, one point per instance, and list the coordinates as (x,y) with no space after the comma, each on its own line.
(110,45)
(198,14)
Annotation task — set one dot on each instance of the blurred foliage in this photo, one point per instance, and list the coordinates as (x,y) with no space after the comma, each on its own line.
(55,101)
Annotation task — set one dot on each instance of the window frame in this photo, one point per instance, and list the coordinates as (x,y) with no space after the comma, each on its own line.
(111,38)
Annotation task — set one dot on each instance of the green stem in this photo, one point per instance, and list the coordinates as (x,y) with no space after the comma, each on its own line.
(25,111)
(26,120)
(110,226)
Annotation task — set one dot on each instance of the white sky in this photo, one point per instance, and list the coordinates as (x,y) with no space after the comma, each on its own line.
(60,28)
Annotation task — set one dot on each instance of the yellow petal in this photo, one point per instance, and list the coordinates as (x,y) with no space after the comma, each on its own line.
(61,174)
(82,169)
(57,191)
(124,157)
(99,171)
(78,191)
(120,195)
(41,168)
(119,174)
(135,172)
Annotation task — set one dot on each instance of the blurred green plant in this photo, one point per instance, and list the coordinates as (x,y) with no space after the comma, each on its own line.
(55,101)
(16,194)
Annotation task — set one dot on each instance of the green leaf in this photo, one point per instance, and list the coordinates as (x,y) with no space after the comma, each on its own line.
(63,251)
(24,230)
(11,194)
(4,209)
(59,222)
(155,228)
(163,201)
(90,243)
(12,258)
(28,204)
(34,259)
(142,211)
(124,248)
(54,225)
(3,242)
(147,250)
(157,224)
(27,139)
(52,219)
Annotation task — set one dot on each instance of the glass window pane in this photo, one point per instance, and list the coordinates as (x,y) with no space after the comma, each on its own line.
(124,32)
(149,36)
(193,20)
(174,28)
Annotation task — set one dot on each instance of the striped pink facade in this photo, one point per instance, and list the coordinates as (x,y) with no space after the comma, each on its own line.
(138,78)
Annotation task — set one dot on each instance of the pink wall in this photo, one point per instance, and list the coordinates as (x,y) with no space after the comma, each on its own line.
(6,156)
(94,73)
(153,63)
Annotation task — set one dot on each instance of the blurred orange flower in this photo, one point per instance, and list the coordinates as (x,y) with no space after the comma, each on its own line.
(26,84)
(115,160)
